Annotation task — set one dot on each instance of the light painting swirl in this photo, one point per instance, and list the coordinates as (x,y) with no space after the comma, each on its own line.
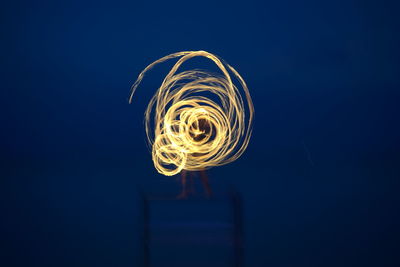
(197,119)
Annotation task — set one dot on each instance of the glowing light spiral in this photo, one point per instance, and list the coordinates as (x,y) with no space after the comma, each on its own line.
(197,119)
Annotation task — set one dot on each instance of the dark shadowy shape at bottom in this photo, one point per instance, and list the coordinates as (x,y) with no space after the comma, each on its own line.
(195,231)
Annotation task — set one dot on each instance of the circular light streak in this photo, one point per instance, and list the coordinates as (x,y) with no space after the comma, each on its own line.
(197,119)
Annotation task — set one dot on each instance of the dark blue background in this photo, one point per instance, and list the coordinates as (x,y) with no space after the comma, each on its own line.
(319,180)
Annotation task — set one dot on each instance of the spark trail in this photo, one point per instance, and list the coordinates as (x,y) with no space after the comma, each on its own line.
(188,130)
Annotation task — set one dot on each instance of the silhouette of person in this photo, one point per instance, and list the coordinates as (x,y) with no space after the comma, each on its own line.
(200,130)
(188,187)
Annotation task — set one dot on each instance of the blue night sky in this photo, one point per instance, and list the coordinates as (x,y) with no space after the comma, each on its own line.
(319,180)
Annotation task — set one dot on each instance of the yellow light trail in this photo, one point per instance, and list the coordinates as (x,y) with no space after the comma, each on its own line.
(188,130)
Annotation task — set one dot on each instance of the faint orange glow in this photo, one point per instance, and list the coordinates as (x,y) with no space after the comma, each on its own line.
(188,130)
